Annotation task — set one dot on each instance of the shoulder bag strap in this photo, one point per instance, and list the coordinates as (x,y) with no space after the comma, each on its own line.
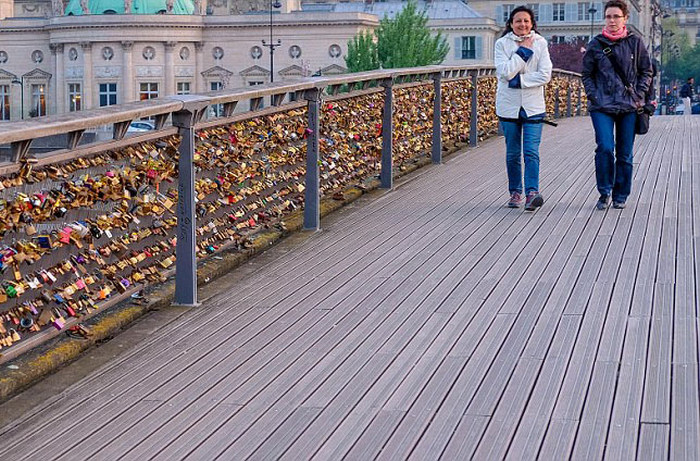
(608,52)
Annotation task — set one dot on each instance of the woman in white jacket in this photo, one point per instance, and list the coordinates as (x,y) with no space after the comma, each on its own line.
(523,68)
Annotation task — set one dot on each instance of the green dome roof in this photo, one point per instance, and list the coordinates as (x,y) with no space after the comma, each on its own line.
(137,7)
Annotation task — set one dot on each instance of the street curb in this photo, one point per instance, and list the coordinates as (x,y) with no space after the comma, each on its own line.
(27,369)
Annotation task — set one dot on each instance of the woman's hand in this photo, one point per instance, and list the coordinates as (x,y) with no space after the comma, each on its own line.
(528,42)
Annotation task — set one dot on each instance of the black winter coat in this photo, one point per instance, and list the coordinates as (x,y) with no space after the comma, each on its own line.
(604,88)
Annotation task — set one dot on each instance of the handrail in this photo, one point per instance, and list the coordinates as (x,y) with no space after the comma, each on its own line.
(437,104)
(16,131)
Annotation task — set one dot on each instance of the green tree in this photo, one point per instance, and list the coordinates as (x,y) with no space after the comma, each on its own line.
(362,53)
(680,58)
(404,41)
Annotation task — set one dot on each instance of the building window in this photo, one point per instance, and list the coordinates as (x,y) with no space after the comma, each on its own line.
(217,110)
(558,39)
(148,91)
(583,14)
(558,12)
(469,47)
(506,11)
(535,7)
(38,101)
(183,87)
(108,94)
(74,97)
(4,102)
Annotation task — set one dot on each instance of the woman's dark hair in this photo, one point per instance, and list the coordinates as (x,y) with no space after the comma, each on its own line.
(618,4)
(519,9)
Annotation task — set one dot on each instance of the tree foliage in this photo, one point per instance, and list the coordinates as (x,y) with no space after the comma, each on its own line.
(568,55)
(680,59)
(404,41)
(362,53)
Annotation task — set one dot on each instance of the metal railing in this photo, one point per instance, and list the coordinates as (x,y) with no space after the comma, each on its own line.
(437,104)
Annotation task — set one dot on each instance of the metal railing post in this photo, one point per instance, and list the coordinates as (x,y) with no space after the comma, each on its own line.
(437,121)
(579,104)
(312,199)
(386,175)
(556,103)
(474,123)
(186,258)
(569,113)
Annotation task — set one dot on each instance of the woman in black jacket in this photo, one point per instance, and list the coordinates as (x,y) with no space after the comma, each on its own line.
(614,96)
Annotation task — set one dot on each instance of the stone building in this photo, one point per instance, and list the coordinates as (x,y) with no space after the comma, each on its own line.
(57,58)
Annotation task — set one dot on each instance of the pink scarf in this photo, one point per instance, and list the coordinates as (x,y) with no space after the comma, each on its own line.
(615,36)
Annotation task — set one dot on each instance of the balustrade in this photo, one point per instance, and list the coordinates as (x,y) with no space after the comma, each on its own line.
(87,226)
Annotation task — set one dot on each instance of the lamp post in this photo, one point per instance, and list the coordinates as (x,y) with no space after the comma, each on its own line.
(272,45)
(16,81)
(664,34)
(591,12)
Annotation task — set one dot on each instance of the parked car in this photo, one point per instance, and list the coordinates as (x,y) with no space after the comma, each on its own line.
(141,126)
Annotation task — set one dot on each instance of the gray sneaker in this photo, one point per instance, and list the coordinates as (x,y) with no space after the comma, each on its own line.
(516,199)
(534,200)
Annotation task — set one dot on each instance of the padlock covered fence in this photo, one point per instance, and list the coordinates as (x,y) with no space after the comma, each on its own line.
(86,226)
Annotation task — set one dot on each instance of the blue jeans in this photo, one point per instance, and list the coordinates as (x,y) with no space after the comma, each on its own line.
(614,135)
(522,137)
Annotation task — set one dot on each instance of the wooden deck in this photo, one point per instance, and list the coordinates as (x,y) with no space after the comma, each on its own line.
(431,323)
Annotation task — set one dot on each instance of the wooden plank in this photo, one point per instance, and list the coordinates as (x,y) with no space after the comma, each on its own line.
(685,412)
(575,386)
(653,441)
(465,379)
(593,426)
(657,385)
(625,423)
(559,439)
(465,437)
(496,440)
(533,424)
(370,442)
(278,441)
(491,388)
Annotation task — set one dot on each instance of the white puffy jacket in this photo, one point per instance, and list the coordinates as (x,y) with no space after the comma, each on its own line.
(534,74)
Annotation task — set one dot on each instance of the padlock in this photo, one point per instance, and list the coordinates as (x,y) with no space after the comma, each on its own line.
(11,291)
(58,323)
(44,241)
(64,236)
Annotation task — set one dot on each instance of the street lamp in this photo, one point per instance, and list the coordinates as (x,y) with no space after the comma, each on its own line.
(667,34)
(16,81)
(591,12)
(272,45)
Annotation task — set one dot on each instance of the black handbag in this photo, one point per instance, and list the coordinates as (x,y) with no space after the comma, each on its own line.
(641,125)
